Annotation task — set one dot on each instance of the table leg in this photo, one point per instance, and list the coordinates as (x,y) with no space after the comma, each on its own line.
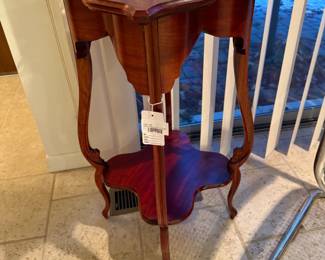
(84,68)
(240,155)
(155,90)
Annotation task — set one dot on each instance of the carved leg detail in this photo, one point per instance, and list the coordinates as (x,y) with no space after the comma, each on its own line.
(99,179)
(234,186)
(84,69)
(240,155)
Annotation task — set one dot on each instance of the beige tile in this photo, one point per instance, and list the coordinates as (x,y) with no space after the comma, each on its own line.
(20,115)
(24,205)
(302,162)
(257,158)
(207,234)
(309,245)
(305,173)
(77,230)
(152,256)
(211,198)
(297,153)
(24,250)
(8,87)
(315,218)
(262,250)
(21,150)
(255,161)
(266,201)
(10,80)
(304,169)
(128,256)
(75,182)
(20,157)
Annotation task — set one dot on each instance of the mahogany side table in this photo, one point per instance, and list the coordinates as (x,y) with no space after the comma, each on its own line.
(152,38)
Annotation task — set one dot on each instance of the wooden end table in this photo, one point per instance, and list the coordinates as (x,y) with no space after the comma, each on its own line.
(151,39)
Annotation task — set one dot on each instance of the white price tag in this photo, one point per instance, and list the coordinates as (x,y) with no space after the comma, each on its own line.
(154,128)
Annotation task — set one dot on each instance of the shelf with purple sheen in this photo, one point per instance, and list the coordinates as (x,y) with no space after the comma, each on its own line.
(188,171)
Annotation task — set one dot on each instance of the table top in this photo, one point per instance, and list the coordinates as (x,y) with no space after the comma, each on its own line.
(142,11)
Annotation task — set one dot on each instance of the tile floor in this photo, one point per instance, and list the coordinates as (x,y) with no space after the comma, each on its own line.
(57,216)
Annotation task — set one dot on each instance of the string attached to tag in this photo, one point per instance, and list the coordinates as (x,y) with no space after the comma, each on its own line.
(152,105)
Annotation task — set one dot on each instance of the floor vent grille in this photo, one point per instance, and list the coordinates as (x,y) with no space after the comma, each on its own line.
(122,202)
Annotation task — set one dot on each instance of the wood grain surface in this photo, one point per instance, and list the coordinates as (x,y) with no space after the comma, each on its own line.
(152,39)
(187,171)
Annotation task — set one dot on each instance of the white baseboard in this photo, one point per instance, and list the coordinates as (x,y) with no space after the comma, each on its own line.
(64,162)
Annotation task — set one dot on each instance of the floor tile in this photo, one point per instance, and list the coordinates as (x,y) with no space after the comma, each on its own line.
(8,87)
(262,250)
(305,245)
(207,234)
(21,150)
(266,201)
(23,250)
(298,152)
(315,218)
(75,182)
(77,230)
(211,198)
(24,205)
(128,256)
(302,162)
(255,161)
(309,245)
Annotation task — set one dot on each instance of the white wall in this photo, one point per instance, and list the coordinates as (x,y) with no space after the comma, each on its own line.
(38,39)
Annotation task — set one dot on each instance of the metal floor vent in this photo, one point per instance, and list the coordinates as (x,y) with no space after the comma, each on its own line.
(124,201)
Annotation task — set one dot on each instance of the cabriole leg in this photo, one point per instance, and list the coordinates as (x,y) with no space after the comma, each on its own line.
(240,155)
(99,179)
(234,186)
(84,68)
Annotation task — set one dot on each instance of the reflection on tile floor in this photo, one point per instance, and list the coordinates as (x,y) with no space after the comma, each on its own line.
(57,216)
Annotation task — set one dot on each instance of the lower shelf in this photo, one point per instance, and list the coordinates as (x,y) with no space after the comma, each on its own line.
(187,171)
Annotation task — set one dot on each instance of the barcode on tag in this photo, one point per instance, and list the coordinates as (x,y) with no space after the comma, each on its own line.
(155,130)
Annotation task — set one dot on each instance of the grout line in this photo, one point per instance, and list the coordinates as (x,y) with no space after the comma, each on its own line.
(265,238)
(42,173)
(237,232)
(48,214)
(76,196)
(20,240)
(141,240)
(26,176)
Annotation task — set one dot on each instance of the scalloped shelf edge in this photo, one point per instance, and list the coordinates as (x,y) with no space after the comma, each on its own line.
(188,171)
